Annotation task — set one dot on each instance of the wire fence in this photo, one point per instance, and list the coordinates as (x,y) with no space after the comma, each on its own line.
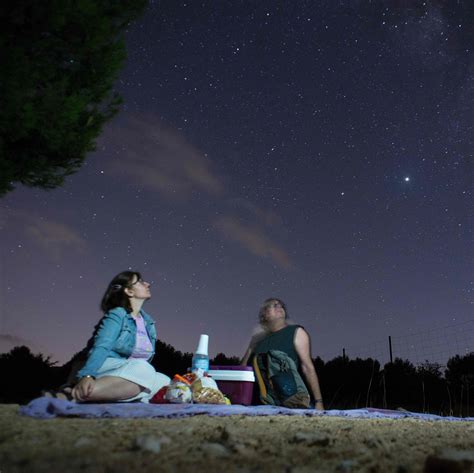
(435,345)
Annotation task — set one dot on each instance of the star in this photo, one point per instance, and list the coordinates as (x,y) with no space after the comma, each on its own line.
(406,179)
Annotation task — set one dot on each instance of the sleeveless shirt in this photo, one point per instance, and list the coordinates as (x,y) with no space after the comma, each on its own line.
(283,340)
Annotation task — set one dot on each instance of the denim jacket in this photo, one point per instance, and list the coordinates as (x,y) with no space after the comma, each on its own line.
(115,338)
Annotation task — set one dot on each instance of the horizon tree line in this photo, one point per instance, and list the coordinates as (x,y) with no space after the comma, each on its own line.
(346,383)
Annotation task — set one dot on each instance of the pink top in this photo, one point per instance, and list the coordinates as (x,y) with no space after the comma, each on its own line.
(143,347)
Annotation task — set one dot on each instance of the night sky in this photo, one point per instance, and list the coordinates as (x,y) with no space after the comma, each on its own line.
(316,151)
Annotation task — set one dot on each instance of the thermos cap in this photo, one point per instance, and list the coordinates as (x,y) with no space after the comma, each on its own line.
(202,345)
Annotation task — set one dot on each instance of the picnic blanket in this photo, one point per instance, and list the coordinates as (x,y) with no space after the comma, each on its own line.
(47,408)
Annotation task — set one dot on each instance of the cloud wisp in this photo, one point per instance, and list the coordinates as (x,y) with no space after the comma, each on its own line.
(163,161)
(53,237)
(253,239)
(9,341)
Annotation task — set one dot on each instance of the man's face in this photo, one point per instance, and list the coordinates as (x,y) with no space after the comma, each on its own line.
(274,311)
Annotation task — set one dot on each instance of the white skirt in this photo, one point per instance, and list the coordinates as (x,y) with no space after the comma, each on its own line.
(138,371)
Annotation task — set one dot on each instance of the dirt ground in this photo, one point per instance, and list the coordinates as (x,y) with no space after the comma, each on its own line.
(233,444)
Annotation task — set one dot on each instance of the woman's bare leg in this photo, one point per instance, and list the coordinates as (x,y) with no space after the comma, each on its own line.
(113,388)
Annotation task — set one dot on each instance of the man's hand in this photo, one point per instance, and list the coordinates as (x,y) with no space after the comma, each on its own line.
(319,406)
(83,389)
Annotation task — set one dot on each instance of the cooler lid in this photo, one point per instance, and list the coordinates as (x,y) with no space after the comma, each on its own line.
(231,367)
(232,375)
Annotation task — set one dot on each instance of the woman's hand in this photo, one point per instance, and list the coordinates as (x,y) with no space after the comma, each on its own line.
(83,389)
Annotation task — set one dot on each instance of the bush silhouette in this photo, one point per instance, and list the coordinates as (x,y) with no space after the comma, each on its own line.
(460,383)
(27,375)
(170,361)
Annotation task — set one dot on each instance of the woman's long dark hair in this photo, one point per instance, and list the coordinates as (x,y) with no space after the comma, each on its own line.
(114,297)
(115,293)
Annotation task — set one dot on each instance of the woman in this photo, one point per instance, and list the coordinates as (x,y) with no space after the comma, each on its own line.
(117,367)
(278,334)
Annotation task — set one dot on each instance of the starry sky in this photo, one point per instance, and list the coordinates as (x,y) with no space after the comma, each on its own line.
(320,152)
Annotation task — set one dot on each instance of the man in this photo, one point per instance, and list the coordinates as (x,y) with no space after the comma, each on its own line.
(291,339)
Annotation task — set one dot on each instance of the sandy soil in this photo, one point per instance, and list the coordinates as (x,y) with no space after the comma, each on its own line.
(232,444)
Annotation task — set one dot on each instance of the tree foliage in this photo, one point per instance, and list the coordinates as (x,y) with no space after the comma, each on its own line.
(25,374)
(60,59)
(348,383)
(170,361)
(221,359)
(460,377)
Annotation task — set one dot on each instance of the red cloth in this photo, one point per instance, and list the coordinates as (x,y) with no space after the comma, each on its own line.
(159,397)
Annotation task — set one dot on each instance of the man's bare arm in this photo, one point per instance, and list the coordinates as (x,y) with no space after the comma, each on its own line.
(246,357)
(303,349)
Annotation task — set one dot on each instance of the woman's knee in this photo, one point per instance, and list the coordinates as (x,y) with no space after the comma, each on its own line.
(142,367)
(162,380)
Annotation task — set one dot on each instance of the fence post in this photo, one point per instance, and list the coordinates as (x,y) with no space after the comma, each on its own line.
(390,348)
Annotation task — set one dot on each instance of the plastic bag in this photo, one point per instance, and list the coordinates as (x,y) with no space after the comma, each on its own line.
(178,391)
(205,391)
(191,387)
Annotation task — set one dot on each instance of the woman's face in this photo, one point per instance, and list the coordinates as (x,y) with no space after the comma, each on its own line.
(139,289)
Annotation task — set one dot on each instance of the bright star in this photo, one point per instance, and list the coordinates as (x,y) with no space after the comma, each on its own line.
(406,179)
